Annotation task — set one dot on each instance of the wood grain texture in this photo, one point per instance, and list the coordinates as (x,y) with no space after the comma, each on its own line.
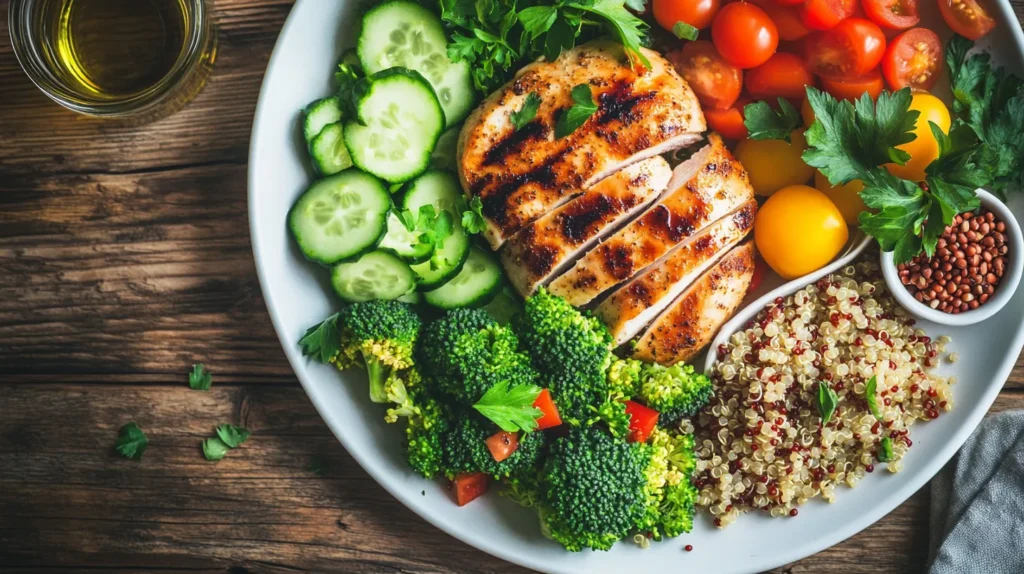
(124,258)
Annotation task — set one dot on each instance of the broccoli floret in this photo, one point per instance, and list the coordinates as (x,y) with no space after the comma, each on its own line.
(624,378)
(465,448)
(378,336)
(675,392)
(592,489)
(570,350)
(466,352)
(427,426)
(613,414)
(670,494)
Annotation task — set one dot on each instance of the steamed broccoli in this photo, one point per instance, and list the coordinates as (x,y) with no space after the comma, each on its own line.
(570,350)
(624,377)
(378,336)
(466,352)
(425,433)
(669,489)
(675,392)
(465,448)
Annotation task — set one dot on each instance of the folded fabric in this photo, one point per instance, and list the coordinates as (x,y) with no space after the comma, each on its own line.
(977,511)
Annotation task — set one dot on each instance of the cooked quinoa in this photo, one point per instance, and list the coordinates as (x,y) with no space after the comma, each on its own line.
(760,441)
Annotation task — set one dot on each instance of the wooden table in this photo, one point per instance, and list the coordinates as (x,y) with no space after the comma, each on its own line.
(125,258)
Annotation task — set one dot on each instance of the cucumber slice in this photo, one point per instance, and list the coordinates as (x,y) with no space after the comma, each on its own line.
(404,243)
(399,123)
(477,283)
(376,275)
(504,306)
(340,216)
(413,298)
(319,115)
(408,35)
(446,152)
(440,189)
(328,150)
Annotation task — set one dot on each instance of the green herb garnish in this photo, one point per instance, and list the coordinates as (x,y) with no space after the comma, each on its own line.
(684,31)
(323,341)
(214,448)
(583,107)
(199,379)
(765,123)
(511,408)
(131,441)
(232,435)
(828,400)
(885,450)
(525,114)
(869,395)
(473,218)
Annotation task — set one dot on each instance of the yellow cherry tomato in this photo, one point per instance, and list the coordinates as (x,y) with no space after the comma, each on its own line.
(774,164)
(924,149)
(846,197)
(799,230)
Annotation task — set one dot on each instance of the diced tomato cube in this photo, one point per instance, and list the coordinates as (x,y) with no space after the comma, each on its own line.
(469,486)
(502,444)
(642,421)
(549,412)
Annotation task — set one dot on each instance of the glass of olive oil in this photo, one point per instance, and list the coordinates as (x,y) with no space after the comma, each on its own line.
(135,59)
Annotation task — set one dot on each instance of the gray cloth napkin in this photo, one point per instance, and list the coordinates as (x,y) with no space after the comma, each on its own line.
(977,512)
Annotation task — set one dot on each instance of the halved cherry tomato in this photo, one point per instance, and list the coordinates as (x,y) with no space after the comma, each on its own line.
(502,444)
(744,35)
(969,18)
(783,75)
(851,49)
(549,412)
(787,20)
(852,88)
(914,59)
(716,82)
(825,14)
(469,486)
(729,123)
(892,14)
(642,421)
(697,13)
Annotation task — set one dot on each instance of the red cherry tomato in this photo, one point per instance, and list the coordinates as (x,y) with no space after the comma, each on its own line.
(892,14)
(914,59)
(549,412)
(697,13)
(851,49)
(783,75)
(642,421)
(969,18)
(469,486)
(825,14)
(787,20)
(852,88)
(716,83)
(744,35)
(788,2)
(729,123)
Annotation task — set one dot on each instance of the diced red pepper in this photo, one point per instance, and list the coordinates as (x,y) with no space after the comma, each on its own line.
(758,276)
(469,486)
(549,412)
(642,421)
(502,444)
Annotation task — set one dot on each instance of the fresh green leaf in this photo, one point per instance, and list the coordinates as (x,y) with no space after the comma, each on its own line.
(199,379)
(871,396)
(131,441)
(232,435)
(628,27)
(525,114)
(765,123)
(473,218)
(828,400)
(638,6)
(511,408)
(684,31)
(322,341)
(885,450)
(583,107)
(214,448)
(537,20)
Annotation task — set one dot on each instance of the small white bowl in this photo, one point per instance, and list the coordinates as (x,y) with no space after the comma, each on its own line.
(1004,291)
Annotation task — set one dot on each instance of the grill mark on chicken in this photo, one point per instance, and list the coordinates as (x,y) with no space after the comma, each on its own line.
(496,204)
(577,223)
(514,142)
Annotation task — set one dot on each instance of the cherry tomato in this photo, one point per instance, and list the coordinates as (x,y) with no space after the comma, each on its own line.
(744,35)
(788,2)
(774,164)
(853,48)
(846,197)
(825,14)
(924,149)
(642,421)
(969,18)
(697,13)
(716,83)
(549,412)
(787,20)
(852,88)
(914,59)
(807,113)
(783,75)
(729,123)
(469,486)
(758,277)
(892,14)
(799,230)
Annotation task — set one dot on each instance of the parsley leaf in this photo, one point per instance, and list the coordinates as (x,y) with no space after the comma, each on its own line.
(322,341)
(764,123)
(511,409)
(214,448)
(684,31)
(583,107)
(526,113)
(828,400)
(627,26)
(131,441)
(473,218)
(199,379)
(232,435)
(433,225)
(870,395)
(538,19)
(885,450)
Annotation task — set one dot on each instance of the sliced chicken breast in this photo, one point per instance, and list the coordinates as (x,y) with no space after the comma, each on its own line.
(631,307)
(522,174)
(703,189)
(546,246)
(695,317)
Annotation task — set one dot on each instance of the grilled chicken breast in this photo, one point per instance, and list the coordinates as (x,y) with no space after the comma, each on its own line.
(631,307)
(544,247)
(696,316)
(522,174)
(703,189)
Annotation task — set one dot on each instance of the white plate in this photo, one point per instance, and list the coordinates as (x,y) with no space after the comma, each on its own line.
(298,296)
